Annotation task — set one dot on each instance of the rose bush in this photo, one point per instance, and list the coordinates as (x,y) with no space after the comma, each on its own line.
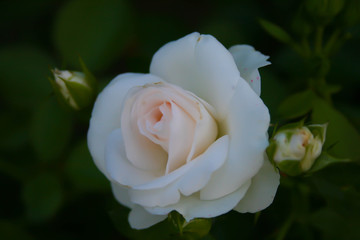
(189,136)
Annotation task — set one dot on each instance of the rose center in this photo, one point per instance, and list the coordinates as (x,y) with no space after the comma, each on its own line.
(155,124)
(171,118)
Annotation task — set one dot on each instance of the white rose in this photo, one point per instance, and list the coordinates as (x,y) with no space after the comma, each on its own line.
(190,136)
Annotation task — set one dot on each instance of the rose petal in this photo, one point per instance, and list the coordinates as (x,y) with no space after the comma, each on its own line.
(248,60)
(206,132)
(262,190)
(247,124)
(152,156)
(195,176)
(200,64)
(140,219)
(182,129)
(118,168)
(106,113)
(121,195)
(192,207)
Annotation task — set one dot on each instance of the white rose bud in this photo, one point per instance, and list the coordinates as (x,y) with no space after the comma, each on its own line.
(294,150)
(73,88)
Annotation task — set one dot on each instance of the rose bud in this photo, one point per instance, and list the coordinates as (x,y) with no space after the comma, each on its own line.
(73,88)
(294,149)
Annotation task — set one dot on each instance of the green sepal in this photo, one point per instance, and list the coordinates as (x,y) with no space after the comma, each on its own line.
(291,126)
(197,228)
(89,77)
(81,94)
(270,151)
(290,167)
(319,130)
(194,229)
(325,160)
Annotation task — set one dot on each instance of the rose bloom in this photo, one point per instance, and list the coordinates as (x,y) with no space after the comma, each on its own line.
(189,136)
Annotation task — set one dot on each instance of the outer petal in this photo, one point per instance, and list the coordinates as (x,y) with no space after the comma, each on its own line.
(247,124)
(118,168)
(121,194)
(248,60)
(192,207)
(200,64)
(140,219)
(196,175)
(262,190)
(107,112)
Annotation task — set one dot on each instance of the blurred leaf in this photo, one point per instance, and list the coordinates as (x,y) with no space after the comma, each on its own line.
(82,171)
(272,92)
(156,30)
(226,32)
(351,15)
(341,197)
(95,30)
(325,160)
(13,231)
(333,226)
(341,134)
(233,225)
(9,168)
(323,11)
(276,31)
(23,75)
(14,135)
(42,197)
(297,105)
(50,130)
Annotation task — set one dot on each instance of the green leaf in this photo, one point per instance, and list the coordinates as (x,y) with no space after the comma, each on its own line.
(23,80)
(276,31)
(50,130)
(341,135)
(197,228)
(325,160)
(297,105)
(42,197)
(319,130)
(82,172)
(95,30)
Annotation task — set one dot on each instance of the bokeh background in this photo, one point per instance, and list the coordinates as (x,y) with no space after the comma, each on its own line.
(50,188)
